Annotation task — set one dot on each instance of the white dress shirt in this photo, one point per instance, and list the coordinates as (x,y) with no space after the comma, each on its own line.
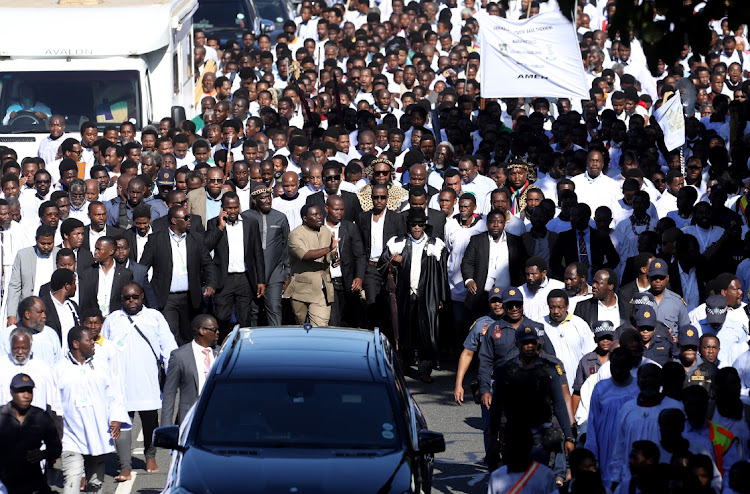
(200,363)
(45,266)
(611,314)
(140,243)
(571,339)
(535,305)
(498,272)
(417,248)
(179,262)
(104,290)
(94,236)
(236,241)
(376,236)
(599,191)
(68,318)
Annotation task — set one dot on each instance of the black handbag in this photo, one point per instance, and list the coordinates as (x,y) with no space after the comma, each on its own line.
(159,363)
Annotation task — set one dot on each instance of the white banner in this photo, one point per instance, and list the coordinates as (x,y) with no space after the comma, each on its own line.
(671,119)
(531,57)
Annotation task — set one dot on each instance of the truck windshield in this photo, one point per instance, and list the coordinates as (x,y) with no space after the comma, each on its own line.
(28,99)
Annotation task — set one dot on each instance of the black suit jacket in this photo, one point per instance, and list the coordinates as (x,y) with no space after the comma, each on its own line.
(475,265)
(83,259)
(53,320)
(88,285)
(158,255)
(255,266)
(140,276)
(352,208)
(602,255)
(435,223)
(393,226)
(162,223)
(588,310)
(352,253)
(110,231)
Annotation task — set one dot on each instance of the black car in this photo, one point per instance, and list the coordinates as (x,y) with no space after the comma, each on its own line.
(302,409)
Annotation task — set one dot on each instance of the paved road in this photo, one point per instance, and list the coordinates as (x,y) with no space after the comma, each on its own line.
(458,470)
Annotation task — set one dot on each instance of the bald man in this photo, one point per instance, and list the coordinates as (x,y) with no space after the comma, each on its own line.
(291,201)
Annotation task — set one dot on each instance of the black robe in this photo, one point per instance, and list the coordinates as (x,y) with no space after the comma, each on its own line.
(432,290)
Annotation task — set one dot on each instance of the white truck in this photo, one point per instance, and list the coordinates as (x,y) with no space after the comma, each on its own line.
(106,61)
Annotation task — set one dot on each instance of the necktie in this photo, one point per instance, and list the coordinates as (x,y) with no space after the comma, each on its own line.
(582,251)
(206,362)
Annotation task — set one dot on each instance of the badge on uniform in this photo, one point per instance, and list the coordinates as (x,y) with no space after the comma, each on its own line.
(497,333)
(484,329)
(592,370)
(559,370)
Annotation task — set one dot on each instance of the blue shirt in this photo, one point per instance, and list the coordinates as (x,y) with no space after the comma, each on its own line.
(213,206)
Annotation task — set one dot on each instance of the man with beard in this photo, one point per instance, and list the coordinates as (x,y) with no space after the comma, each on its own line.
(79,206)
(47,396)
(421,288)
(332,175)
(576,287)
(604,304)
(538,285)
(32,316)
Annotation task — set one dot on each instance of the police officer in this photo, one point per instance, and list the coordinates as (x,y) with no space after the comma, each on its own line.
(499,344)
(671,309)
(481,326)
(646,299)
(697,371)
(657,347)
(536,389)
(604,335)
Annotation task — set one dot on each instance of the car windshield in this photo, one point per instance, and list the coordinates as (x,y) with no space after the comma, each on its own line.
(28,99)
(299,414)
(271,10)
(226,14)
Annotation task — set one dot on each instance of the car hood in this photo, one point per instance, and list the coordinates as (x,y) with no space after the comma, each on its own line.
(293,471)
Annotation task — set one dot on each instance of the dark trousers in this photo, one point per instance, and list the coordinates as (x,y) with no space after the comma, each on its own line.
(236,294)
(179,314)
(150,421)
(347,306)
(267,311)
(373,284)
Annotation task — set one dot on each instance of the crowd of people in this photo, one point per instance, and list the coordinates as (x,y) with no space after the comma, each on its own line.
(348,173)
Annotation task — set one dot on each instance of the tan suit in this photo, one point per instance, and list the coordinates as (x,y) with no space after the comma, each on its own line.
(197,203)
(310,289)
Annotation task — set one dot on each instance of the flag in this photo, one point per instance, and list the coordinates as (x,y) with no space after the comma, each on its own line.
(671,119)
(531,57)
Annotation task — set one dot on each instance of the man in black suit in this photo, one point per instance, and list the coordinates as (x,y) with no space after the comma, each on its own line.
(178,259)
(274,239)
(72,232)
(583,244)
(238,256)
(332,175)
(140,272)
(418,198)
(348,270)
(62,312)
(376,227)
(495,258)
(95,288)
(604,305)
(98,227)
(176,197)
(188,367)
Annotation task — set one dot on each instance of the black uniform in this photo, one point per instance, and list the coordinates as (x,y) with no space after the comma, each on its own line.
(499,345)
(17,439)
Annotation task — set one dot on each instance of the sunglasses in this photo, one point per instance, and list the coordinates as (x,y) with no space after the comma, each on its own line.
(379,197)
(381,172)
(334,178)
(216,180)
(125,298)
(420,224)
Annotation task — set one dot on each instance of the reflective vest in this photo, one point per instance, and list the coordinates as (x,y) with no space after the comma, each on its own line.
(721,439)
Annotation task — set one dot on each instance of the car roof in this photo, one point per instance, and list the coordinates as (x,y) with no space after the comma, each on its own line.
(289,351)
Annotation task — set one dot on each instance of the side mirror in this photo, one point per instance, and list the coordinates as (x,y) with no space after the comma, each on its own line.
(266,26)
(430,442)
(167,437)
